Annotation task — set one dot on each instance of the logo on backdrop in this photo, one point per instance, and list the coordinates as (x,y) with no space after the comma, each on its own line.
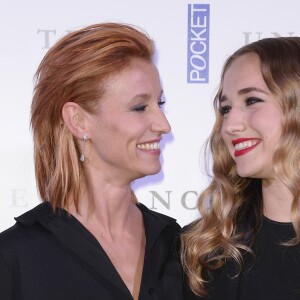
(18,198)
(255,36)
(198,43)
(156,200)
(188,200)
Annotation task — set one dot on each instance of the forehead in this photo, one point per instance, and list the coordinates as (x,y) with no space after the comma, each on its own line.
(242,77)
(139,75)
(139,81)
(243,72)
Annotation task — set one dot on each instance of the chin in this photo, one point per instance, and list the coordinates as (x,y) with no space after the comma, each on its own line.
(152,171)
(248,170)
(244,173)
(147,172)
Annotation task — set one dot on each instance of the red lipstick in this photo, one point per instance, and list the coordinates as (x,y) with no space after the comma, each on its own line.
(244,150)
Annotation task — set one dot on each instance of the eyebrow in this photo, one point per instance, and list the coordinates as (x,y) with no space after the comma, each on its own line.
(243,92)
(146,96)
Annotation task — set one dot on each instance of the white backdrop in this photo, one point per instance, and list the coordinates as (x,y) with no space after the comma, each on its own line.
(29,27)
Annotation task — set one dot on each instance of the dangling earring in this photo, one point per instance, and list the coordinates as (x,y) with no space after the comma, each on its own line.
(84,139)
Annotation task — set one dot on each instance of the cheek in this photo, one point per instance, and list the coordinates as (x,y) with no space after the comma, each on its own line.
(112,126)
(226,139)
(269,124)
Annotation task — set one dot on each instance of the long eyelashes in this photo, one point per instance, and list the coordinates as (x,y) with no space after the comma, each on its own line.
(161,103)
(141,108)
(253,100)
(224,109)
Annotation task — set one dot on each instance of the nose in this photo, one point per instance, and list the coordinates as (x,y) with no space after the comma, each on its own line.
(234,122)
(160,122)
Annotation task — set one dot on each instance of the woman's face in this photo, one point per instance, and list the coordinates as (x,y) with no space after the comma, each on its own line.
(128,125)
(251,125)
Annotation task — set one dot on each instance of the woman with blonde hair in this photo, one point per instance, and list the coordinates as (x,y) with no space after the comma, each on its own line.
(97,125)
(246,243)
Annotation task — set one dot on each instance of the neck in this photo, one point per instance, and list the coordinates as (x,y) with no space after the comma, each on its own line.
(277,201)
(108,207)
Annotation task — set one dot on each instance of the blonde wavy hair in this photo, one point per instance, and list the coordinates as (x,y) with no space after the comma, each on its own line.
(75,69)
(231,206)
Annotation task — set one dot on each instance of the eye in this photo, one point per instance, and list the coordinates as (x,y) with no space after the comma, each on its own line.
(161,103)
(224,110)
(253,100)
(139,108)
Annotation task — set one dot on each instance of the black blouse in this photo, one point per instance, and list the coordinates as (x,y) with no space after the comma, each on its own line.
(272,274)
(47,256)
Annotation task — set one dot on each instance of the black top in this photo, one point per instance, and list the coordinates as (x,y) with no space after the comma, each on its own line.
(47,256)
(273,274)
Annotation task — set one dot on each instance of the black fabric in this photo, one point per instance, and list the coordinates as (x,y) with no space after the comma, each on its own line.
(47,256)
(272,274)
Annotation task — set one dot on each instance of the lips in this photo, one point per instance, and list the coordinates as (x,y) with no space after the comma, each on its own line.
(244,145)
(149,146)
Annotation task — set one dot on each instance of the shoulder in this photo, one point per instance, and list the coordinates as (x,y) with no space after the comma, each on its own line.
(25,231)
(189,227)
(38,213)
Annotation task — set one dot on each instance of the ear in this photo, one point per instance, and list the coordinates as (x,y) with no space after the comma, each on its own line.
(73,116)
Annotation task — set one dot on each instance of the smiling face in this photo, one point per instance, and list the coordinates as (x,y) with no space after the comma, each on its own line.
(251,125)
(128,125)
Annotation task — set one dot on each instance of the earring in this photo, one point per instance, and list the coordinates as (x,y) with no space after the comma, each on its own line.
(84,139)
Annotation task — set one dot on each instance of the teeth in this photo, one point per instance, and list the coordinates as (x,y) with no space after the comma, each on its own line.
(244,145)
(149,146)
